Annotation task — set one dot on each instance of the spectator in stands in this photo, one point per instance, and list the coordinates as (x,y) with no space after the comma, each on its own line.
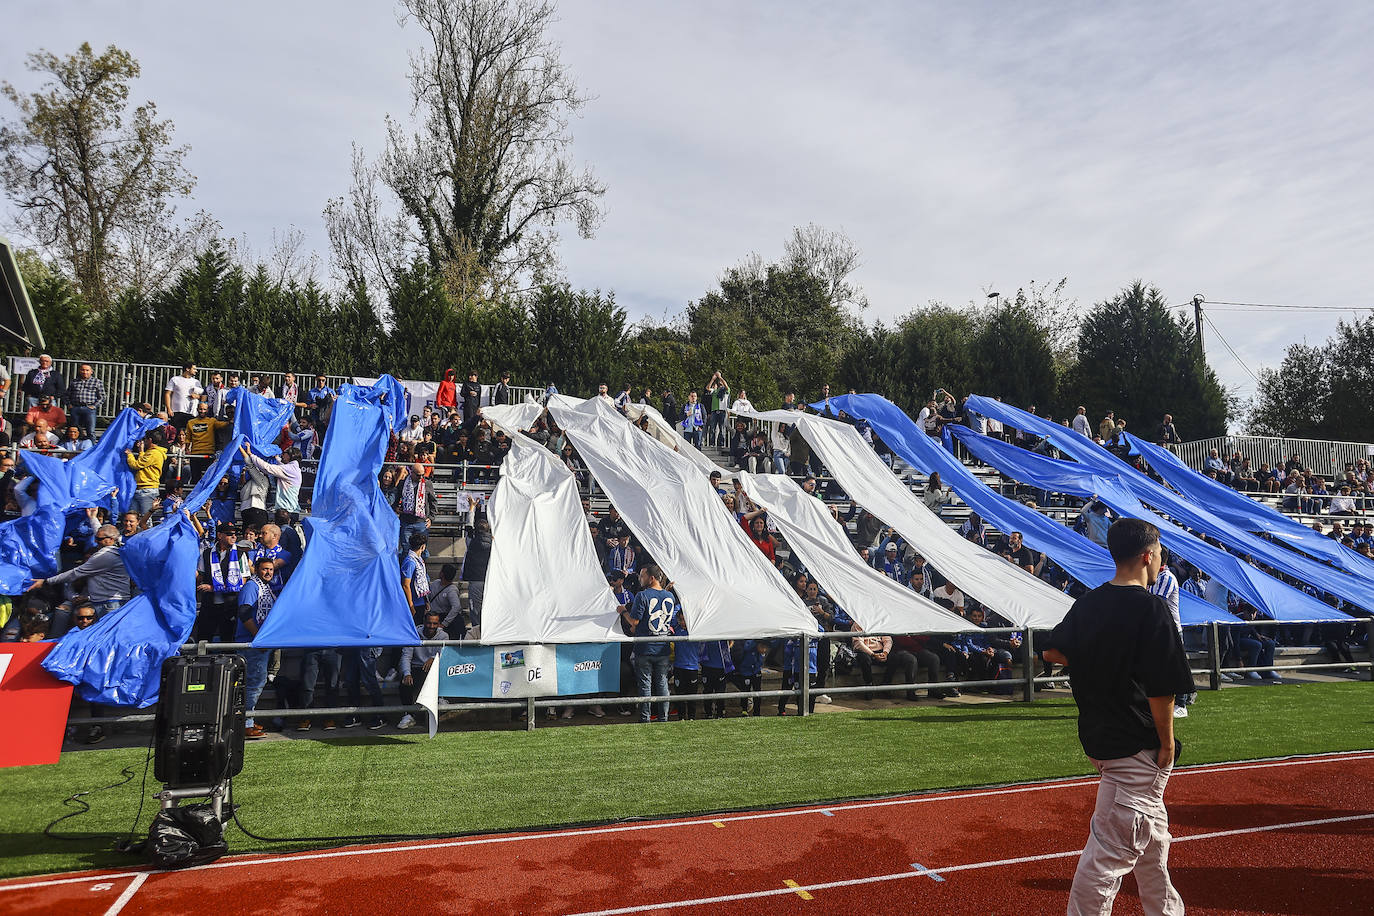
(1254,649)
(622,400)
(106,580)
(1015,550)
(1342,503)
(415,431)
(214,395)
(1268,479)
(1107,427)
(974,530)
(285,469)
(718,396)
(75,441)
(742,403)
(219,578)
(255,603)
(471,394)
(147,466)
(928,669)
(716,666)
(415,578)
(46,410)
(415,502)
(202,433)
(892,566)
(1213,462)
(919,582)
(501,393)
(1096,522)
(652,614)
(181,394)
(446,601)
(476,558)
(929,418)
(937,495)
(1081,424)
(1320,495)
(85,396)
(45,380)
(1245,477)
(621,559)
(779,446)
(1167,434)
(416,662)
(693,420)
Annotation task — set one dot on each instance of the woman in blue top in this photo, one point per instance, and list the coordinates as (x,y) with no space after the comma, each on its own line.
(749,674)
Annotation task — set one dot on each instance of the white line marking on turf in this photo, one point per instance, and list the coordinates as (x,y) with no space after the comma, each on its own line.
(128,894)
(1071,783)
(936,873)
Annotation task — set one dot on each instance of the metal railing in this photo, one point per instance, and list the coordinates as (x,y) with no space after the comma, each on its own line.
(1021,687)
(1322,456)
(135,383)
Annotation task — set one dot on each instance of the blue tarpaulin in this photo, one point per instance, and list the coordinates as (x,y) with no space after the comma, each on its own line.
(1266,593)
(118,659)
(347,589)
(29,545)
(1075,554)
(1358,590)
(260,420)
(98,470)
(1241,510)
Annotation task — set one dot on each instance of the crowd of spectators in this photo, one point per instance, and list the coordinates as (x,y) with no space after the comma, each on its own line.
(252,541)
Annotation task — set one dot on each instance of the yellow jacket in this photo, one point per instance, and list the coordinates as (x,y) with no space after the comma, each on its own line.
(147,467)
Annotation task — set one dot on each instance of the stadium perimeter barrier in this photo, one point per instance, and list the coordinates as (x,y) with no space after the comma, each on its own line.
(129,384)
(1323,456)
(1022,688)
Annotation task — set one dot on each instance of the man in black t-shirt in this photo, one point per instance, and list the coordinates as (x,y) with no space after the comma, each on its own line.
(1126,665)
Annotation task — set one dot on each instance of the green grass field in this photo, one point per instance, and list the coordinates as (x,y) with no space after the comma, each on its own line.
(474,781)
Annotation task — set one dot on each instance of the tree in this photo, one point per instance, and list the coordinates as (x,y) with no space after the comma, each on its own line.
(1014,358)
(828,255)
(1136,358)
(1292,401)
(483,175)
(93,181)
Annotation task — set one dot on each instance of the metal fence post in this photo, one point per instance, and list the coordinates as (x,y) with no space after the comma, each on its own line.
(1369,644)
(530,714)
(1214,654)
(1029,646)
(804,675)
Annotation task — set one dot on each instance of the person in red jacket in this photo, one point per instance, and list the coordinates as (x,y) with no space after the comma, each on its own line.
(447,396)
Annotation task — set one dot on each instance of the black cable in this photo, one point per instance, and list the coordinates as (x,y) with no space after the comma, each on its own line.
(77,798)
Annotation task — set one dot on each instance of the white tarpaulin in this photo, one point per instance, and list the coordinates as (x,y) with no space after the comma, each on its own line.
(876,602)
(728,588)
(1010,591)
(666,433)
(513,418)
(544,582)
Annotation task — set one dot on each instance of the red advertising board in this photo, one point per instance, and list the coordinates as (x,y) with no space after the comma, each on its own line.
(33,706)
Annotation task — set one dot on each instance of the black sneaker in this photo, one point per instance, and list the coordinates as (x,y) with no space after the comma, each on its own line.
(96,736)
(352,722)
(376,723)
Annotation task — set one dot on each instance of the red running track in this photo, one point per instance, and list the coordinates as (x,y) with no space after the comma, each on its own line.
(1285,836)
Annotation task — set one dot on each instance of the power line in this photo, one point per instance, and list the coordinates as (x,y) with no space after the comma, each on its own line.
(1215,330)
(1245,306)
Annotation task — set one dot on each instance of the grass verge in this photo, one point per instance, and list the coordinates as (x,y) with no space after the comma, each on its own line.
(478,781)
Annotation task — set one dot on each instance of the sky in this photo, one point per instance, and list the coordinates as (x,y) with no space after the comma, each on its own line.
(1218,149)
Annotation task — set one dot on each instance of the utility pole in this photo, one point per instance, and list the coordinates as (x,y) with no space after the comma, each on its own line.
(1197,325)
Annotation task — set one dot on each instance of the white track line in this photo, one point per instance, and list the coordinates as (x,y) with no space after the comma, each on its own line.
(1070,783)
(128,894)
(935,872)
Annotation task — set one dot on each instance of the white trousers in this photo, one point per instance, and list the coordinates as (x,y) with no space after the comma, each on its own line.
(1130,832)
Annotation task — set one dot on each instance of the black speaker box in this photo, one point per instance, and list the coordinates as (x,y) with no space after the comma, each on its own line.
(199,722)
